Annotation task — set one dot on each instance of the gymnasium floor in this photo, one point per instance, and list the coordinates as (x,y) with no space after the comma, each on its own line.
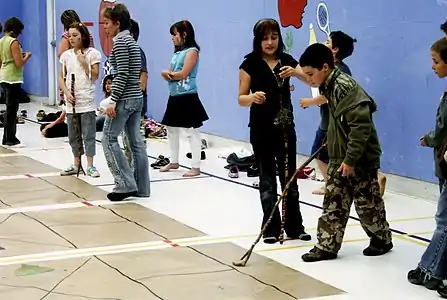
(63,240)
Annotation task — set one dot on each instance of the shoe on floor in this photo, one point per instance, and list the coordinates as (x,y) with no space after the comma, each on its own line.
(160,162)
(377,248)
(300,236)
(92,172)
(419,277)
(233,172)
(315,254)
(442,291)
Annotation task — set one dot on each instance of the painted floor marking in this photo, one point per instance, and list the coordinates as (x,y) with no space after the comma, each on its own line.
(150,246)
(29,175)
(60,206)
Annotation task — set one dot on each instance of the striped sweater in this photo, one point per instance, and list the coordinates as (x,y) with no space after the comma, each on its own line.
(126,62)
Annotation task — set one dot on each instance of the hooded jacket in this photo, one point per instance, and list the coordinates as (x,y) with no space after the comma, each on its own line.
(352,137)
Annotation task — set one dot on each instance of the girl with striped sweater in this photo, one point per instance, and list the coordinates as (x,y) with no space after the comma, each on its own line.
(125,114)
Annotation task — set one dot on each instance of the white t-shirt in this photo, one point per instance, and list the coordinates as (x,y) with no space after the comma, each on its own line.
(84,86)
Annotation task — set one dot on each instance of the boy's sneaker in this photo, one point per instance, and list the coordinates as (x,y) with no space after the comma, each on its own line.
(71,170)
(92,172)
(315,254)
(377,247)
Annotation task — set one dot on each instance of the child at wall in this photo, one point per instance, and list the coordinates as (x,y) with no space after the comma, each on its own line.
(184,112)
(354,157)
(82,61)
(432,268)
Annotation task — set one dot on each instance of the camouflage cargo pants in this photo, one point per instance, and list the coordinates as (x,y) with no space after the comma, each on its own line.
(362,188)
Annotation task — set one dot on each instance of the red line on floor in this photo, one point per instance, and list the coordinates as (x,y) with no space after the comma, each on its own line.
(171,243)
(87,203)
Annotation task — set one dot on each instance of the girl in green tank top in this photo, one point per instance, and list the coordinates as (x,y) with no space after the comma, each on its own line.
(12,61)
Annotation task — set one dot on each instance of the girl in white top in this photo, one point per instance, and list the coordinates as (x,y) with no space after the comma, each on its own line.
(82,61)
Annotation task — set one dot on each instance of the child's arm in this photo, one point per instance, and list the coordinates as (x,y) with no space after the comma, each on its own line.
(435,138)
(122,69)
(190,61)
(360,124)
(94,72)
(319,100)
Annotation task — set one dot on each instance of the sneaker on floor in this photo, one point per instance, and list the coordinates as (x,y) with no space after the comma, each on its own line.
(300,236)
(92,172)
(377,248)
(315,254)
(442,291)
(419,277)
(71,170)
(160,162)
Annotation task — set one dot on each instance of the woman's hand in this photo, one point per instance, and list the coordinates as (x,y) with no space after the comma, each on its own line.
(286,71)
(166,75)
(258,97)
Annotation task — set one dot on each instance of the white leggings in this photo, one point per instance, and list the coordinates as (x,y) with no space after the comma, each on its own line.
(194,140)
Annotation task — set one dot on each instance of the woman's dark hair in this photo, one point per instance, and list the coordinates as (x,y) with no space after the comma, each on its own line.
(14,26)
(186,32)
(118,13)
(1,27)
(134,29)
(69,17)
(104,83)
(85,34)
(261,29)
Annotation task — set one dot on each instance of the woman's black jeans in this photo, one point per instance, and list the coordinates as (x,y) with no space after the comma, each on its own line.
(12,93)
(269,150)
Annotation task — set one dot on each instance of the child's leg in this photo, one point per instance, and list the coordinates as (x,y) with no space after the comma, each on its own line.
(322,158)
(196,147)
(73,141)
(334,218)
(88,125)
(174,145)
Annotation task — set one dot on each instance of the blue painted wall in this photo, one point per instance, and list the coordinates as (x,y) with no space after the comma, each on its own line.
(34,40)
(391,60)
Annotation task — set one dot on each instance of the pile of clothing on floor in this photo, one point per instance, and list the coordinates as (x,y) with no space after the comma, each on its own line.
(155,130)
(163,160)
(244,161)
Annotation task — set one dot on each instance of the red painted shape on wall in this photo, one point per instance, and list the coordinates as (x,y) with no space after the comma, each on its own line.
(291,12)
(106,41)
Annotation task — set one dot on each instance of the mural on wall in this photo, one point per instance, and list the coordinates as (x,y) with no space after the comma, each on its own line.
(324,25)
(291,14)
(106,41)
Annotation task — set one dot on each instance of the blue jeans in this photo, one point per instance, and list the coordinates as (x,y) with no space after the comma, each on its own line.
(128,118)
(434,259)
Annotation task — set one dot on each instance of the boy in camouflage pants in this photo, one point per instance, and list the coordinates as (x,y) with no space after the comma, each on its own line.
(354,159)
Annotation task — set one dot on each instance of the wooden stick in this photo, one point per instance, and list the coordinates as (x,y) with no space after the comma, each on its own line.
(244,259)
(77,127)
